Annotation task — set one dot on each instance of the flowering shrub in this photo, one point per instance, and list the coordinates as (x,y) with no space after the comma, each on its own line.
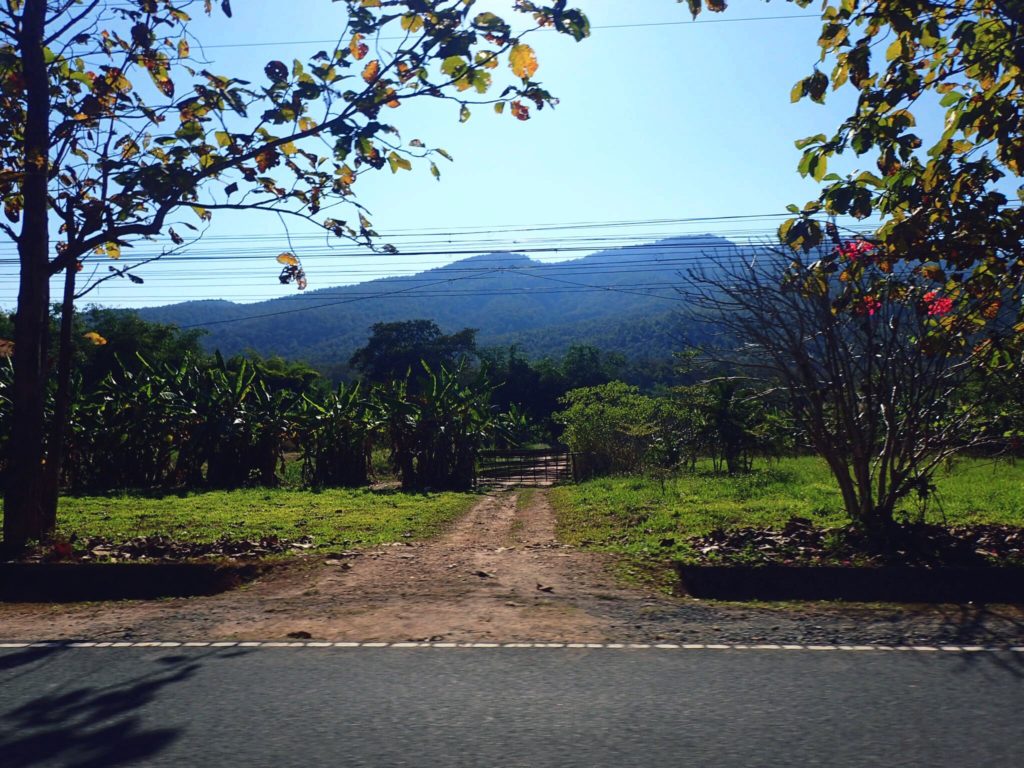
(858,251)
(936,305)
(866,305)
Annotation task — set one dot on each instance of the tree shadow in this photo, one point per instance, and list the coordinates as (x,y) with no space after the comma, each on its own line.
(26,656)
(994,626)
(90,726)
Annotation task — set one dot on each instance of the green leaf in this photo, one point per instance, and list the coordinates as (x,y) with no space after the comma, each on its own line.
(454,66)
(396,161)
(820,167)
(951,98)
(412,22)
(816,139)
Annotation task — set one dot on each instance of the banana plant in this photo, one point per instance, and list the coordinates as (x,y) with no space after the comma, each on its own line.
(436,430)
(335,437)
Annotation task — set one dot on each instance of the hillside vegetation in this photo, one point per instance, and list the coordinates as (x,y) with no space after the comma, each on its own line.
(621,300)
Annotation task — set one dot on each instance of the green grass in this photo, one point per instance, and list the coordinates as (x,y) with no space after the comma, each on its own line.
(649,520)
(349,518)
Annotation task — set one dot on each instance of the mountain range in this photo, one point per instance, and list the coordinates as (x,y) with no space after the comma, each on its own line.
(620,300)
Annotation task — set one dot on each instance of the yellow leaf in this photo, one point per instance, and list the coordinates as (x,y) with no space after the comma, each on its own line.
(183,48)
(95,338)
(371,3)
(113,250)
(371,70)
(523,61)
(289,148)
(307,124)
(289,259)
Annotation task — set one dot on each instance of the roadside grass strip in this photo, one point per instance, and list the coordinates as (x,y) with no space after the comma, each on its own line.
(548,645)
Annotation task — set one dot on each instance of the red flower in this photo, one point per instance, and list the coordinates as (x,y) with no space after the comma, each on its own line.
(857,250)
(936,305)
(867,305)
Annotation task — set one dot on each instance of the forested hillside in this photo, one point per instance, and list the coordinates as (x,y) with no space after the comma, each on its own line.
(622,300)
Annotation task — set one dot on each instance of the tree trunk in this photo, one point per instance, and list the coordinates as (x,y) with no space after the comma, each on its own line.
(26,496)
(55,447)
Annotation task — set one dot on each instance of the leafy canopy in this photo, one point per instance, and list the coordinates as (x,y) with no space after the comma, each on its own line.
(941,199)
(140,126)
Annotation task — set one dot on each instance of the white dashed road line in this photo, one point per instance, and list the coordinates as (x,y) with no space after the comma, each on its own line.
(564,646)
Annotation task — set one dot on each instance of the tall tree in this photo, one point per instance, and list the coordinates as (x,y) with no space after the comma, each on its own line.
(109,128)
(396,350)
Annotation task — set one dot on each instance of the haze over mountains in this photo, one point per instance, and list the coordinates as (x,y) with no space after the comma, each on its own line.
(622,300)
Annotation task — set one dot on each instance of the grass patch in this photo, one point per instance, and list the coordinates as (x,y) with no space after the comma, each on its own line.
(649,519)
(524,497)
(336,517)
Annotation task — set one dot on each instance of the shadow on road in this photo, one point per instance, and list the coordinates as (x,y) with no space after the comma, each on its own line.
(25,656)
(987,625)
(88,726)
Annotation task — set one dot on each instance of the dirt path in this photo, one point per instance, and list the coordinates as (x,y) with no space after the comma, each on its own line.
(498,575)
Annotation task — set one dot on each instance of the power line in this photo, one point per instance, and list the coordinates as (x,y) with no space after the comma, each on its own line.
(634,25)
(433,235)
(613,253)
(409,289)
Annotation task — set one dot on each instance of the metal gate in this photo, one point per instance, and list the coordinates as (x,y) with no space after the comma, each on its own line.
(545,466)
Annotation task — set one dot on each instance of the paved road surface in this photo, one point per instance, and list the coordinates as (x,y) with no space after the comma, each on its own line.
(483,707)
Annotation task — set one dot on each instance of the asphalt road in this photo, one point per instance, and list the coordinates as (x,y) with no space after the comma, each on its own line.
(508,707)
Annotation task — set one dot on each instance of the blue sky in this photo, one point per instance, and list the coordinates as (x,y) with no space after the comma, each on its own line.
(670,120)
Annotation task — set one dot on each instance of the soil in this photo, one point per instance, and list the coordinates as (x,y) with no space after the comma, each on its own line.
(498,575)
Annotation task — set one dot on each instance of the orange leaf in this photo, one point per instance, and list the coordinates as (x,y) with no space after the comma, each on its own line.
(358,47)
(371,71)
(95,338)
(289,259)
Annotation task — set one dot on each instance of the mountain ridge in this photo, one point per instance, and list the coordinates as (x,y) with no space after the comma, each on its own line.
(510,298)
